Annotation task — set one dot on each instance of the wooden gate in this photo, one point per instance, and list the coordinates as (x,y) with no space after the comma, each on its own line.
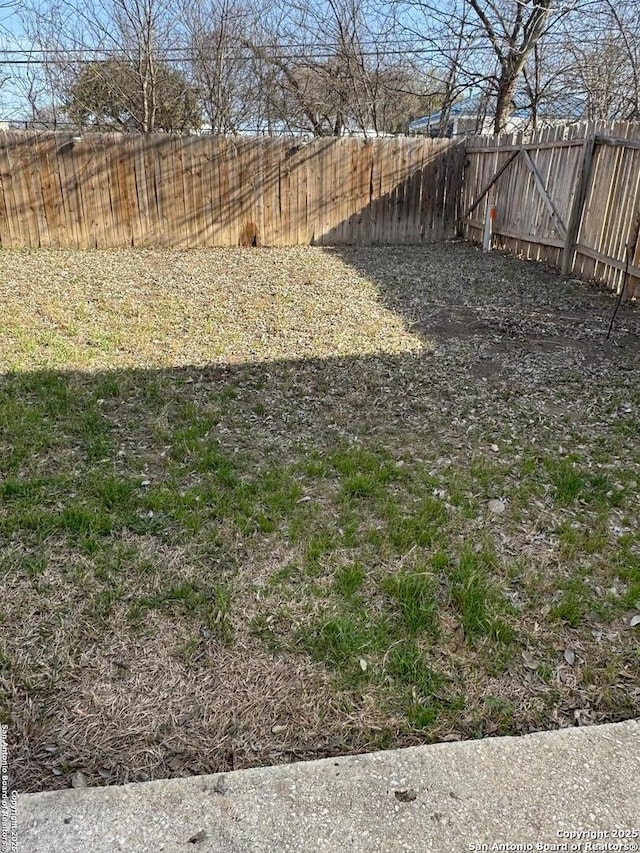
(569,197)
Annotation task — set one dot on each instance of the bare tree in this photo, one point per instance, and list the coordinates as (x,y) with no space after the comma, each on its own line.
(325,68)
(486,44)
(220,63)
(512,29)
(138,33)
(603,45)
(42,81)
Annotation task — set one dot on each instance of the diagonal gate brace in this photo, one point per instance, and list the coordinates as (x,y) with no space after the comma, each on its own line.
(485,189)
(537,178)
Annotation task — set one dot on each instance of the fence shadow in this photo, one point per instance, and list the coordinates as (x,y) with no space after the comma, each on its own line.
(453,292)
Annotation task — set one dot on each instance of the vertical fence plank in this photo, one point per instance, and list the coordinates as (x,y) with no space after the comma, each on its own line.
(578,204)
(6,236)
(17,167)
(118,232)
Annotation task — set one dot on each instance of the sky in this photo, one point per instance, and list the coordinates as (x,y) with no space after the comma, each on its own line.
(11,36)
(13,105)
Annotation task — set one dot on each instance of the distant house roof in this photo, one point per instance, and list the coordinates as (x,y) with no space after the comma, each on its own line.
(567,108)
(470,108)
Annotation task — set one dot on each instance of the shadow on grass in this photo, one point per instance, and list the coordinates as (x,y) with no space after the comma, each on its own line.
(506,305)
(212,567)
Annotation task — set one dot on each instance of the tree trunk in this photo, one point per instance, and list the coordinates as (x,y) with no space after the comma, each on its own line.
(506,88)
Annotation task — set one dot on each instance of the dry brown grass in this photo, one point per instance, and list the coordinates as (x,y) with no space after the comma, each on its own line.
(153,308)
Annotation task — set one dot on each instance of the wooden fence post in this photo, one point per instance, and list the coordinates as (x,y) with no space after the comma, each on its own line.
(577,206)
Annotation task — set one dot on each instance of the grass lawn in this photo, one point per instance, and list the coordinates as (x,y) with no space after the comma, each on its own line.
(264,505)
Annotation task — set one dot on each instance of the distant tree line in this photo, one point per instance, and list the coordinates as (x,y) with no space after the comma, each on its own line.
(326,67)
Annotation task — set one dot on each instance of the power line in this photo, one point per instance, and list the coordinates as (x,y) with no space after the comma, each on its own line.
(318,50)
(327,46)
(177,55)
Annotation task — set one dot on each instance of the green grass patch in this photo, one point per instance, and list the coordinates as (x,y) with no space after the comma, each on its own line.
(572,483)
(474,595)
(422,690)
(341,640)
(575,600)
(415,596)
(348,580)
(420,527)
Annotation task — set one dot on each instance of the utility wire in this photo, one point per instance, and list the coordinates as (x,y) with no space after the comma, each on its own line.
(26,56)
(399,47)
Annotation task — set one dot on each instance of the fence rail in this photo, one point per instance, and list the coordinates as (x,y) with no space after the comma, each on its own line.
(107,190)
(569,197)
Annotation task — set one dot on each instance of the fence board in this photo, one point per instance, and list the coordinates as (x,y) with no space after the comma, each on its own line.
(19,171)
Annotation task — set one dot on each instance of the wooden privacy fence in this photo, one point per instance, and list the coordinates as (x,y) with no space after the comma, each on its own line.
(570,196)
(107,190)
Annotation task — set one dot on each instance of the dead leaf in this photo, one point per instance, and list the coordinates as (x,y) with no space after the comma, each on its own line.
(570,655)
(198,837)
(78,780)
(635,620)
(406,796)
(529,661)
(221,785)
(276,730)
